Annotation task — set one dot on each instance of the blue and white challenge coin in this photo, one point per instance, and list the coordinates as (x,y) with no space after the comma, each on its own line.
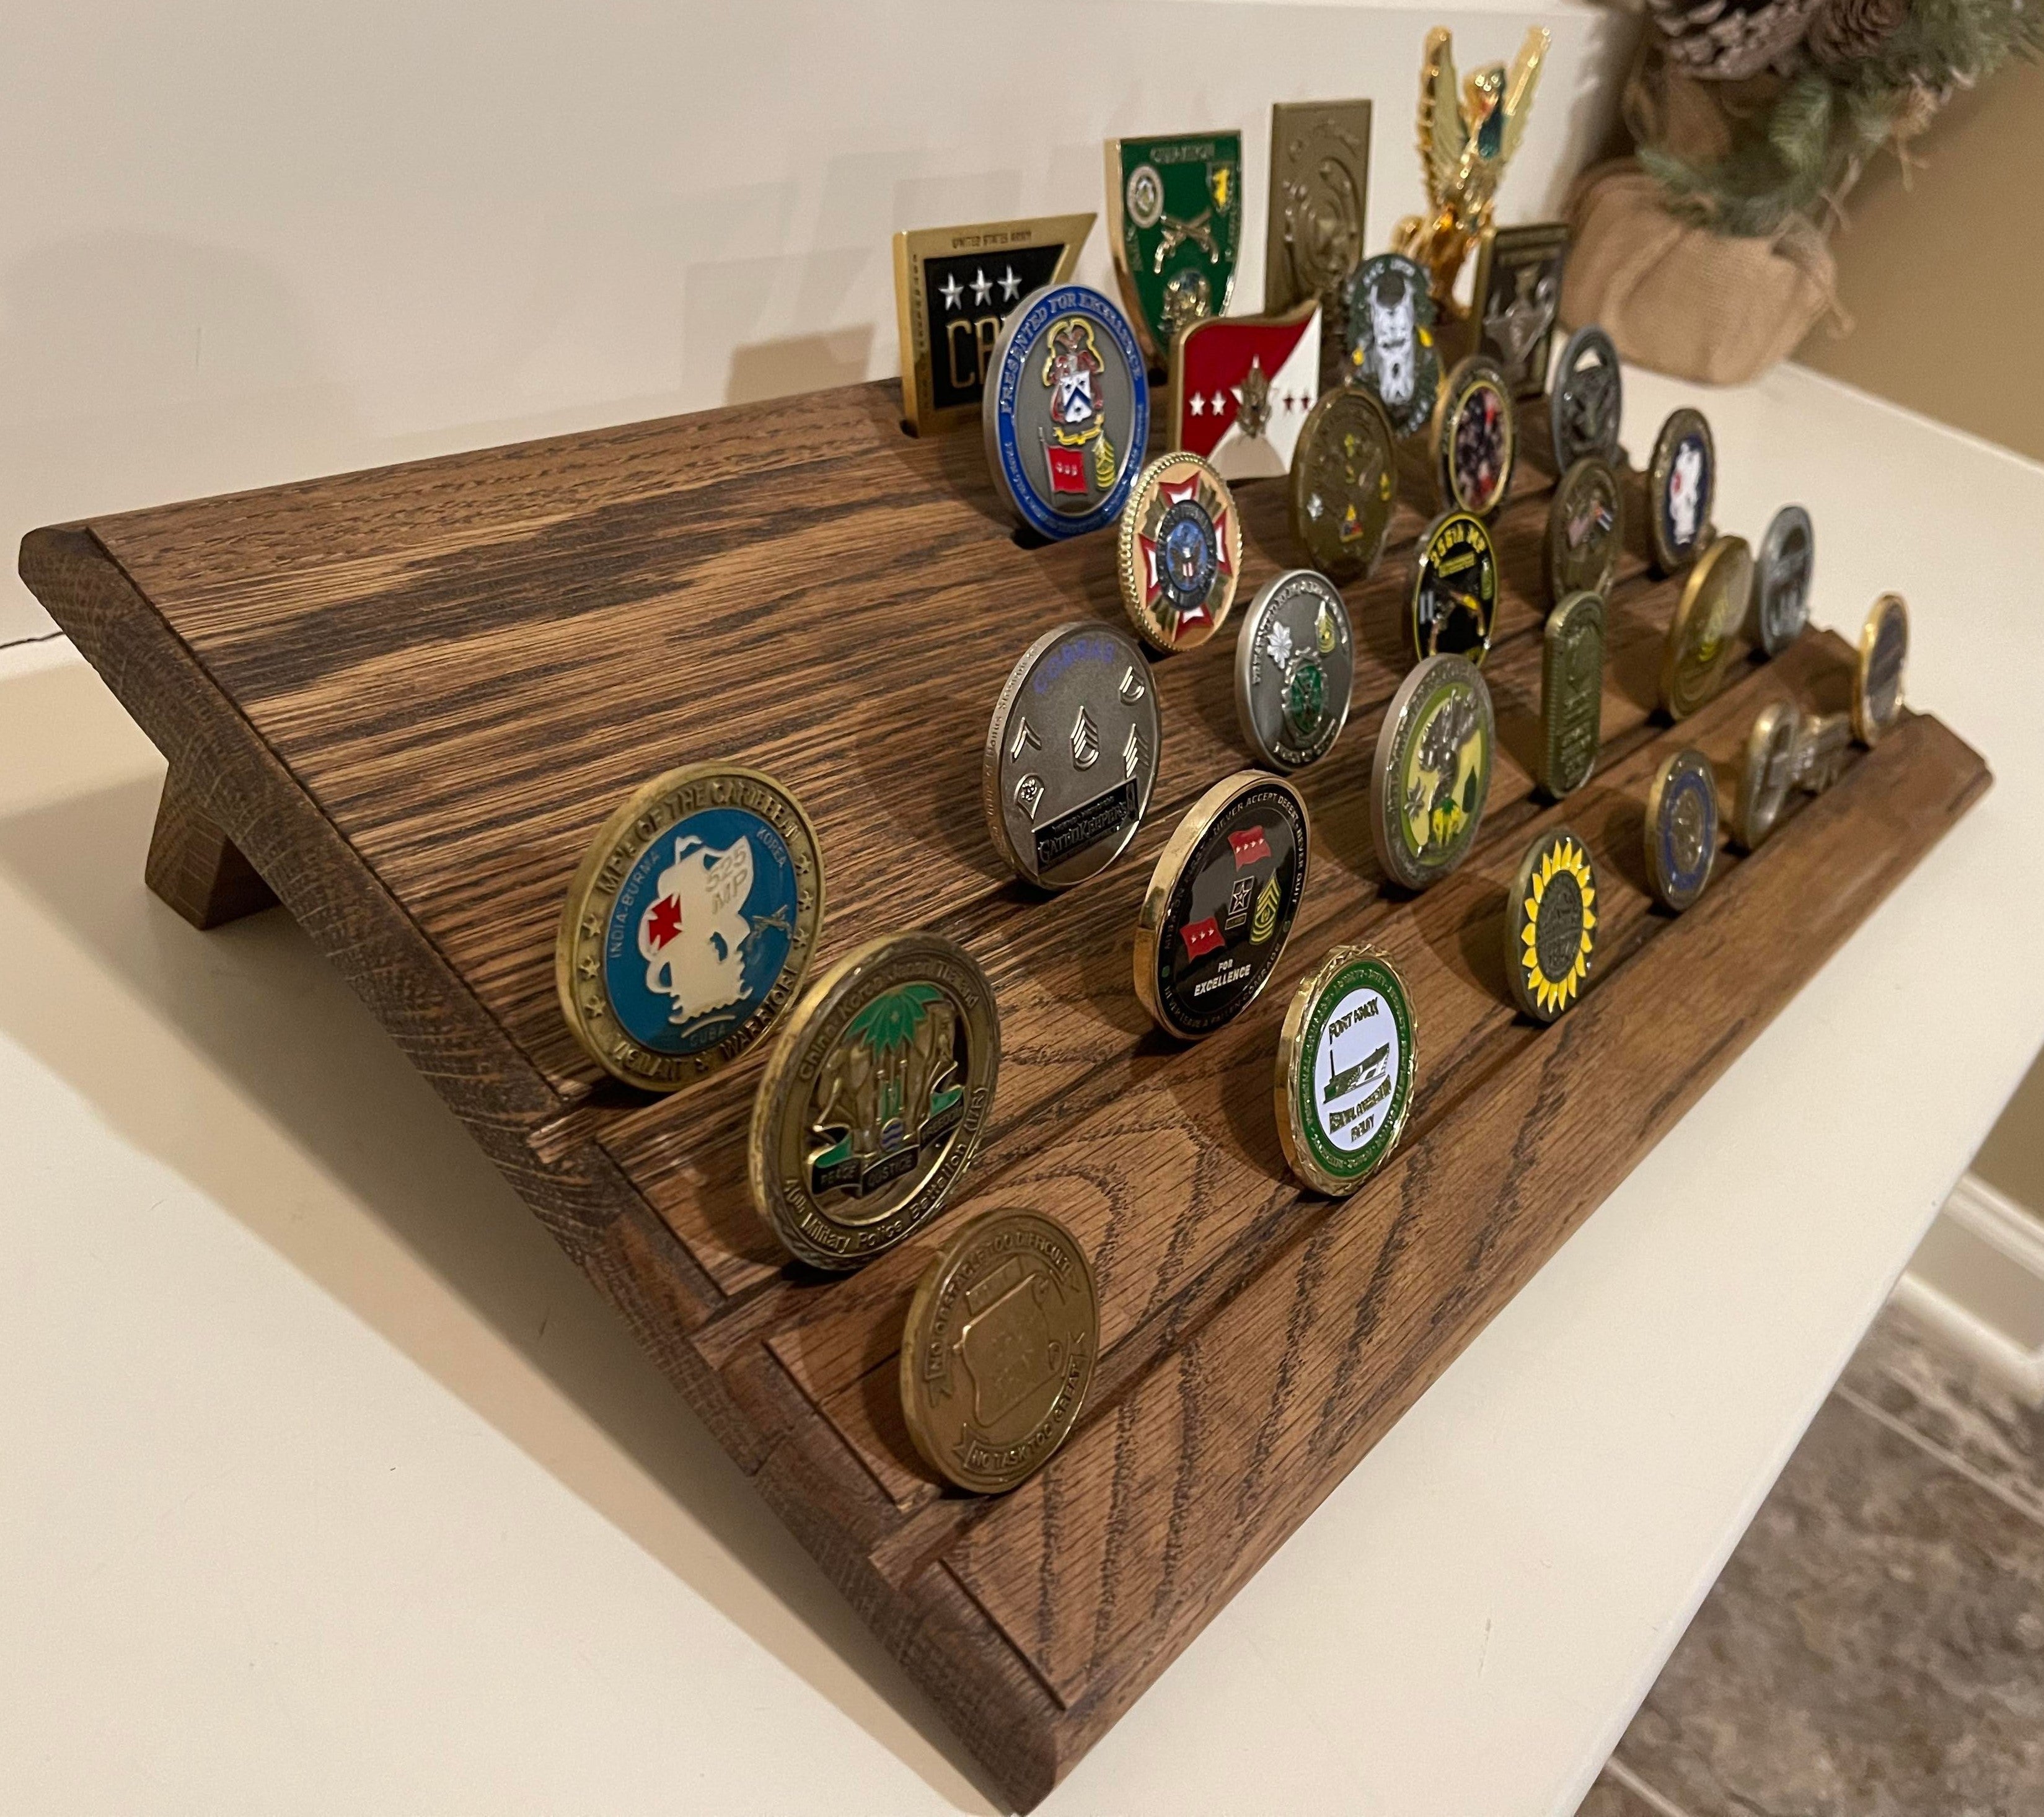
(1682,828)
(1065,411)
(689,925)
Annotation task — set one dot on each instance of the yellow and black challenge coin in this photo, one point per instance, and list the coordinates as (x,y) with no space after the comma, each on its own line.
(688,924)
(1453,605)
(1180,552)
(1346,1063)
(1431,778)
(1550,935)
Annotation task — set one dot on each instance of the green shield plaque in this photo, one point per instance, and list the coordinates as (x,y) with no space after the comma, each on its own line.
(1174,209)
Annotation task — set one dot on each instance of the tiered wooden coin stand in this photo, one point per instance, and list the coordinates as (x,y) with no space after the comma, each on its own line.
(403,701)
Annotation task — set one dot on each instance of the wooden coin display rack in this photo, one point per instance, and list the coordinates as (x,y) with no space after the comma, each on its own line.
(402,701)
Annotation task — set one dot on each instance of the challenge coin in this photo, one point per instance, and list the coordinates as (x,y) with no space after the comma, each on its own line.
(1242,387)
(1221,903)
(1453,600)
(1346,1061)
(1517,293)
(1180,551)
(1781,576)
(1345,482)
(1174,226)
(1681,828)
(1065,411)
(1432,775)
(1071,754)
(690,921)
(1681,481)
(1294,666)
(1474,439)
(1586,530)
(998,1349)
(1550,935)
(1767,772)
(1391,347)
(874,1099)
(1700,638)
(1587,401)
(1571,693)
(1821,745)
(1884,651)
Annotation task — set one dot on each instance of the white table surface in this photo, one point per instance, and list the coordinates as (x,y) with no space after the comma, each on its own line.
(326,1483)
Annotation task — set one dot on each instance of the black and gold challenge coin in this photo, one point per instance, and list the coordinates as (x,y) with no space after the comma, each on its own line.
(1475,439)
(1346,1061)
(1180,552)
(1550,935)
(998,1350)
(1884,651)
(1681,485)
(1706,620)
(688,924)
(874,1099)
(1221,902)
(1454,601)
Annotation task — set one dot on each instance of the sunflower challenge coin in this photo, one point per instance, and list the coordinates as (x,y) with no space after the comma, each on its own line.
(1346,1063)
(1453,605)
(1221,903)
(1475,439)
(1586,530)
(1344,483)
(1681,828)
(1588,400)
(1707,618)
(1571,693)
(1884,651)
(1294,668)
(1432,774)
(1681,483)
(998,1350)
(1180,551)
(1071,754)
(689,925)
(874,1099)
(1550,936)
(1782,573)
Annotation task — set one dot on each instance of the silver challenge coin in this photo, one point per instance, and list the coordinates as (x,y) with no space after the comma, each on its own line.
(1782,572)
(1294,670)
(1588,399)
(1071,754)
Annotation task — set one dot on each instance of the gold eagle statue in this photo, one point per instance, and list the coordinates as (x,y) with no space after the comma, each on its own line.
(1466,138)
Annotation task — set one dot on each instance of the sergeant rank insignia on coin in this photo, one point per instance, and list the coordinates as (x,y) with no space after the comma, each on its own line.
(953,286)
(1065,412)
(1179,552)
(1346,1061)
(1454,599)
(1221,903)
(688,924)
(874,1099)
(1432,774)
(1474,439)
(1884,651)
(1071,754)
(1294,668)
(1782,573)
(1391,347)
(1242,385)
(1571,693)
(1681,482)
(1320,180)
(1518,293)
(1550,935)
(1586,530)
(1681,828)
(998,1350)
(1706,620)
(1344,483)
(1174,221)
(1767,772)
(1587,400)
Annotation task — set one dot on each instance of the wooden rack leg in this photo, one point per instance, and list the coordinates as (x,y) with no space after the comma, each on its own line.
(196,868)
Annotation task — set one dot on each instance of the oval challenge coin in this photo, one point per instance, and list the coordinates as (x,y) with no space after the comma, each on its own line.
(1682,828)
(1180,551)
(1884,651)
(1294,668)
(1571,693)
(1432,774)
(1346,1061)
(1551,934)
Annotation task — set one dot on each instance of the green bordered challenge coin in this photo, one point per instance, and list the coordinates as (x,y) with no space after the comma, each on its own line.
(1174,226)
(1346,1061)
(688,924)
(1550,933)
(874,1099)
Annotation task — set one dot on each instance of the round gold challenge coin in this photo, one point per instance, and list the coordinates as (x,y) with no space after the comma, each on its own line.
(1346,1061)
(998,1349)
(1706,619)
(1452,608)
(1432,774)
(1767,772)
(1681,828)
(1344,483)
(1179,552)
(1550,933)
(1221,902)
(1681,483)
(1571,693)
(1294,670)
(1884,651)
(688,924)
(1474,438)
(874,1099)
(1586,530)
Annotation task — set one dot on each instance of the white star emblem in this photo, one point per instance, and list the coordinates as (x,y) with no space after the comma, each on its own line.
(950,291)
(1011,285)
(1220,403)
(1199,404)
(982,290)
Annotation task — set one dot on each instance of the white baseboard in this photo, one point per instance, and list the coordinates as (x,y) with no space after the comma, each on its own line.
(2015,1237)
(1995,1218)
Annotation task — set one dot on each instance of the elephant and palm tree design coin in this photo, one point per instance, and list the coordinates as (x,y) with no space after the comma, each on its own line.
(1431,778)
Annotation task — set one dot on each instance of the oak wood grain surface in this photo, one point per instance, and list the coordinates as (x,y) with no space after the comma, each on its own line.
(403,700)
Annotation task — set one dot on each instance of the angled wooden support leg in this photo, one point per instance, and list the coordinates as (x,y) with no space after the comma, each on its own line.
(196,868)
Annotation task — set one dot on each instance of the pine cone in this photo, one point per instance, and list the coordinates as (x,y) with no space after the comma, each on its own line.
(1842,31)
(1726,40)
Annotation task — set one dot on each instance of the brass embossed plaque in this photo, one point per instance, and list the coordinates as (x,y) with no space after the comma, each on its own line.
(1320,180)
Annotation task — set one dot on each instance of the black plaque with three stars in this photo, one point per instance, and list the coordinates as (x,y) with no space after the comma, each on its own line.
(953,286)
